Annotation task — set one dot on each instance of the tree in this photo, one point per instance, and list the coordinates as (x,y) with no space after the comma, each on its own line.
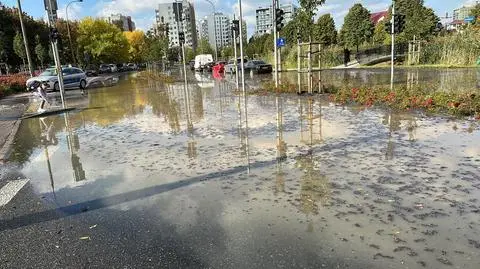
(420,21)
(357,28)
(103,41)
(476,12)
(380,36)
(324,30)
(204,47)
(40,51)
(226,52)
(19,47)
(310,6)
(3,47)
(136,42)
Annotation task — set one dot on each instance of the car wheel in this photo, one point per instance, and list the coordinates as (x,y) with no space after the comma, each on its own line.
(56,87)
(83,84)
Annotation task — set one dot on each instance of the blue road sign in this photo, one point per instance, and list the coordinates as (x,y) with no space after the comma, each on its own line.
(281,42)
(469,19)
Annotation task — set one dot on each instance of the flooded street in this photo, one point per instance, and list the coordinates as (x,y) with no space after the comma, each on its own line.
(202,177)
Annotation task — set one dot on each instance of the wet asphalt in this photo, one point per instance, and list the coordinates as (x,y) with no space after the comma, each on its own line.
(153,176)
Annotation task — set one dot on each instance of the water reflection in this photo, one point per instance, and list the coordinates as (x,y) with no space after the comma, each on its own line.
(278,165)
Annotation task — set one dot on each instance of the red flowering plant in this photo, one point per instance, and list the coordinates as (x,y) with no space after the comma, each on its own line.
(12,83)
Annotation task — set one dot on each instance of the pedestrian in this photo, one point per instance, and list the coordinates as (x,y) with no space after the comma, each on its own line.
(346,56)
(41,89)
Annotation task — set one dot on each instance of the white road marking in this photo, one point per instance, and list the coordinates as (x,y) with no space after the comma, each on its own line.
(10,190)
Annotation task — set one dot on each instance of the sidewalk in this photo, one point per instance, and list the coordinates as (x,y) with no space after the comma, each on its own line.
(11,109)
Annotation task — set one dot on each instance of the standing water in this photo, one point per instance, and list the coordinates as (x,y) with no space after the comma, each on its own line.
(262,182)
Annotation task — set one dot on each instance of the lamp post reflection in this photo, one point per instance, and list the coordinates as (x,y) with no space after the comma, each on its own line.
(191,144)
(281,148)
(48,138)
(73,144)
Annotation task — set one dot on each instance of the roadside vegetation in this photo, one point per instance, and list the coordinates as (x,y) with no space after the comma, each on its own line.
(12,84)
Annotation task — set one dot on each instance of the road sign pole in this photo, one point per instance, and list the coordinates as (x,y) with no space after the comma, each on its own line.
(275,55)
(393,46)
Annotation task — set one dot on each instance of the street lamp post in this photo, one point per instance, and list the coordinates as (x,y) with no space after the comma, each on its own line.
(214,29)
(68,28)
(25,40)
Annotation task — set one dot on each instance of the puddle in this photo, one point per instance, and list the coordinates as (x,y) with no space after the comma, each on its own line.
(306,184)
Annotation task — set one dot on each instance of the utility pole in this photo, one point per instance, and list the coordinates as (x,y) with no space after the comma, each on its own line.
(242,67)
(25,40)
(51,7)
(235,27)
(275,55)
(393,46)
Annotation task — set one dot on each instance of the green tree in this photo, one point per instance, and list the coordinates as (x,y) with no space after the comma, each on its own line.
(204,47)
(189,54)
(357,28)
(3,47)
(226,52)
(103,41)
(324,30)
(476,12)
(40,51)
(310,6)
(420,21)
(380,35)
(19,47)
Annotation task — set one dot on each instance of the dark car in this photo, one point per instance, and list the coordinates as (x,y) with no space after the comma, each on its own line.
(105,68)
(258,66)
(209,67)
(191,64)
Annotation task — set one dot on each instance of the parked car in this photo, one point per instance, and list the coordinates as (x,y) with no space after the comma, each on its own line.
(201,60)
(121,67)
(132,67)
(208,67)
(72,78)
(113,68)
(230,67)
(258,66)
(105,68)
(191,64)
(141,66)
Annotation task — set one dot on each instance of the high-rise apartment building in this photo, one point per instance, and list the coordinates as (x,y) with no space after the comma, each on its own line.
(180,17)
(264,18)
(124,22)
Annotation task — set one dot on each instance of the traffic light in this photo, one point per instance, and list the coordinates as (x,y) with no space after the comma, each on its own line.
(54,34)
(279,19)
(236,27)
(181,37)
(388,27)
(399,23)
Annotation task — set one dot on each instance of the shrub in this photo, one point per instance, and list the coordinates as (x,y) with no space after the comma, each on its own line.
(12,84)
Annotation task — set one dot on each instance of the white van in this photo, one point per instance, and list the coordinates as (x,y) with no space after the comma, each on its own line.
(201,60)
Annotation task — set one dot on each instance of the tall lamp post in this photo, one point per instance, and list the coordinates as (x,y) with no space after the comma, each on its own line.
(25,40)
(215,28)
(68,28)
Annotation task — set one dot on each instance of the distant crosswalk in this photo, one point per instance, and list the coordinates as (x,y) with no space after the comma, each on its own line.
(10,190)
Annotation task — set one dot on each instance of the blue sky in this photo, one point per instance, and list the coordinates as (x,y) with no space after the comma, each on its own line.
(143,11)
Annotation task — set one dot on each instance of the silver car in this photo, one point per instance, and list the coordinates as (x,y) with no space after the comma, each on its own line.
(72,78)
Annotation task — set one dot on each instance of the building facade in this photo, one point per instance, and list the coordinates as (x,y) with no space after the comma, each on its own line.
(460,14)
(219,30)
(264,18)
(124,22)
(180,17)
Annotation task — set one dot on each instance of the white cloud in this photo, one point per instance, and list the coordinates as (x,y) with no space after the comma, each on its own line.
(74,11)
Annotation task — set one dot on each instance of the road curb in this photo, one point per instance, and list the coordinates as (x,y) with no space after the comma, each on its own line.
(7,146)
